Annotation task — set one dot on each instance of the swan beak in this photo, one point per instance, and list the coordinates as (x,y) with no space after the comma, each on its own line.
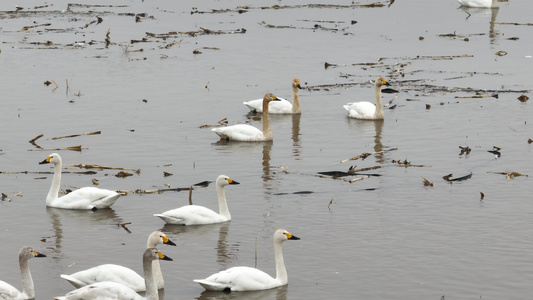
(386,82)
(291,237)
(46,161)
(163,256)
(167,241)
(231,181)
(274,98)
(37,254)
(299,86)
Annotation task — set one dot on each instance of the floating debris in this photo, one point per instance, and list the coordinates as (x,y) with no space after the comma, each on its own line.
(427,182)
(123,174)
(501,53)
(482,196)
(405,163)
(496,151)
(523,98)
(479,95)
(449,177)
(123,225)
(159,191)
(93,166)
(222,122)
(510,175)
(167,174)
(5,198)
(529,141)
(464,150)
(71,148)
(365,155)
(76,135)
(95,181)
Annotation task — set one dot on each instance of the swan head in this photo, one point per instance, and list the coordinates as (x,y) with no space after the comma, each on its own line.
(296,83)
(158,237)
(224,180)
(53,158)
(27,253)
(282,235)
(154,254)
(270,97)
(381,82)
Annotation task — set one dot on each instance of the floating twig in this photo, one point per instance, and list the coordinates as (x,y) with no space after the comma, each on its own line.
(76,135)
(159,191)
(510,175)
(366,154)
(123,225)
(71,148)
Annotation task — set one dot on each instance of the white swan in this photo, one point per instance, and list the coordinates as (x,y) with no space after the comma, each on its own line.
(112,290)
(248,133)
(84,198)
(279,107)
(199,215)
(120,274)
(479,3)
(251,279)
(8,291)
(366,110)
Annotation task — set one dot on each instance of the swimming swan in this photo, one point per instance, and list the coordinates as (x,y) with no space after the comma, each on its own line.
(280,107)
(366,110)
(112,290)
(198,215)
(251,279)
(8,291)
(120,274)
(248,133)
(84,198)
(480,3)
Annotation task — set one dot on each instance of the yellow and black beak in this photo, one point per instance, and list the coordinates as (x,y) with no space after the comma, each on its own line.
(46,161)
(37,254)
(231,181)
(163,256)
(167,241)
(291,237)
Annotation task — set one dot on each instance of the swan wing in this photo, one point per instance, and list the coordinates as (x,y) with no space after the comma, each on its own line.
(107,272)
(276,107)
(360,110)
(86,198)
(7,291)
(476,3)
(240,132)
(191,215)
(102,291)
(239,279)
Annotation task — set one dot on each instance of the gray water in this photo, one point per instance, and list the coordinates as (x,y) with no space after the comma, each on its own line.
(386,237)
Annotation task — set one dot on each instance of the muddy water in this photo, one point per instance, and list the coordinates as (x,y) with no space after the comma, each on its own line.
(382,237)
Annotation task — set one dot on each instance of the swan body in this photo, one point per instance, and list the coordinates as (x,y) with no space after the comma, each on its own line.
(199,215)
(248,133)
(279,107)
(83,198)
(251,279)
(113,290)
(479,3)
(366,110)
(120,274)
(8,291)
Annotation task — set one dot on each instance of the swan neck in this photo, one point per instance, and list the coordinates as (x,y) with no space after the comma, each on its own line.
(56,182)
(296,101)
(379,105)
(158,275)
(149,280)
(222,203)
(267,132)
(27,282)
(281,272)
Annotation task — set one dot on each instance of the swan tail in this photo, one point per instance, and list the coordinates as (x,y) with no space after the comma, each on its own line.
(169,220)
(73,280)
(211,286)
